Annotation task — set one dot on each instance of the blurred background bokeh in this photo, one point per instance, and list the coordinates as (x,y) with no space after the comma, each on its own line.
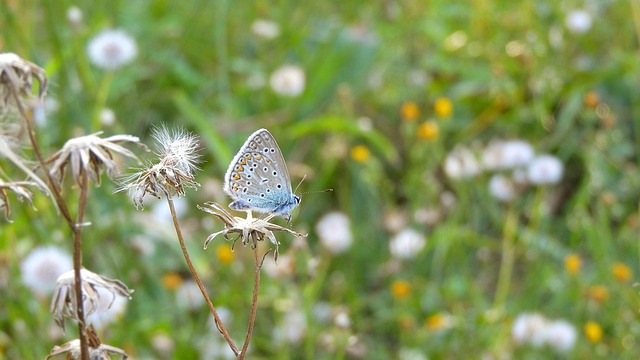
(483,156)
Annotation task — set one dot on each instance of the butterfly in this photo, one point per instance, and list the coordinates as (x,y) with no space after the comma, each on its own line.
(258,179)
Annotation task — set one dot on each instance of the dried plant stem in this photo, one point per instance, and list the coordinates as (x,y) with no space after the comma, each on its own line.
(55,189)
(77,266)
(76,226)
(254,300)
(196,277)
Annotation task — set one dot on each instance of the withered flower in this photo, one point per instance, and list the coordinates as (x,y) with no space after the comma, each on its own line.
(17,75)
(17,187)
(248,228)
(64,304)
(178,154)
(89,155)
(97,350)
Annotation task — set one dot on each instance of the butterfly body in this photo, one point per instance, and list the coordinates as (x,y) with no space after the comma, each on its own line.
(257,178)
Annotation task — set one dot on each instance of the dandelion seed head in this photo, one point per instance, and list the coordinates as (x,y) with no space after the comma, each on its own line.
(265,28)
(502,187)
(578,21)
(407,244)
(111,49)
(42,267)
(288,80)
(545,169)
(334,232)
(560,335)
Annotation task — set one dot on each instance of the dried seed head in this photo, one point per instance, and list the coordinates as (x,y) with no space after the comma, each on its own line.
(63,303)
(178,153)
(248,228)
(20,189)
(89,155)
(16,78)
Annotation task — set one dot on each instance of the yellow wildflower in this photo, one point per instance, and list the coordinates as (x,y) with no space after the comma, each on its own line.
(428,130)
(171,281)
(622,272)
(437,322)
(573,263)
(400,289)
(360,153)
(591,99)
(443,107)
(409,111)
(225,254)
(598,293)
(593,331)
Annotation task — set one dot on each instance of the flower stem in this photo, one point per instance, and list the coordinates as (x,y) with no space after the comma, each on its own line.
(506,263)
(74,225)
(254,300)
(55,189)
(196,277)
(77,266)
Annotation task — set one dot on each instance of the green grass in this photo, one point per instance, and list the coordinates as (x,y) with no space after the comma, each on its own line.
(485,262)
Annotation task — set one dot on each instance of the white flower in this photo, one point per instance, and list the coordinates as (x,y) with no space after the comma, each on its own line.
(341,319)
(293,327)
(560,335)
(265,28)
(502,187)
(188,296)
(42,267)
(545,169)
(111,49)
(107,117)
(283,268)
(74,16)
(529,328)
(411,354)
(110,308)
(507,154)
(334,232)
(407,244)
(461,164)
(578,21)
(288,80)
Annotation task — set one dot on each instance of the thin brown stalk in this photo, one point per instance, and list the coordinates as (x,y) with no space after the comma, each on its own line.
(196,277)
(55,189)
(254,300)
(77,265)
(74,225)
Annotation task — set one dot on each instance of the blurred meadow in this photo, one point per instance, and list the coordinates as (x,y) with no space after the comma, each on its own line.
(483,158)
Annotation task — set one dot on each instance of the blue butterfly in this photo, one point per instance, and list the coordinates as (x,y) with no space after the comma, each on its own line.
(258,179)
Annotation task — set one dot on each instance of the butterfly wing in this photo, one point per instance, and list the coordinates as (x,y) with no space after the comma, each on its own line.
(257,178)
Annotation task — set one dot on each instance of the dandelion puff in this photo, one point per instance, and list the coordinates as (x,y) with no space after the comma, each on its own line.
(41,268)
(560,335)
(502,188)
(111,49)
(407,244)
(179,156)
(251,229)
(545,169)
(334,232)
(89,155)
(288,80)
(529,328)
(64,304)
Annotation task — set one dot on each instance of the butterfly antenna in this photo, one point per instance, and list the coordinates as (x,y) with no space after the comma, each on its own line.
(300,183)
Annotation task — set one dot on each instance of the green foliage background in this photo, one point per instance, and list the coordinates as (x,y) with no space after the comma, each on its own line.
(361,60)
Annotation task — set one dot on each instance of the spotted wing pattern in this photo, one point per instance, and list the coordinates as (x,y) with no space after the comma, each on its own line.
(257,178)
